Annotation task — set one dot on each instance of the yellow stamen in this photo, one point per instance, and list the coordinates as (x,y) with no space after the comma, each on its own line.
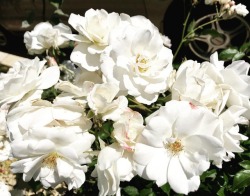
(175,147)
(50,160)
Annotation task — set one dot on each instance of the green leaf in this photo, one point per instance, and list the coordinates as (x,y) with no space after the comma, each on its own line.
(245,47)
(56,3)
(245,164)
(131,190)
(166,188)
(60,13)
(211,32)
(147,192)
(191,26)
(238,56)
(221,192)
(228,54)
(209,174)
(241,180)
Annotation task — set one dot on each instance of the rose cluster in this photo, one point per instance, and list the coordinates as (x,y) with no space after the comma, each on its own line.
(120,61)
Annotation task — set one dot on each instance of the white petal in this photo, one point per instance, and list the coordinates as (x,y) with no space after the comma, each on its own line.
(49,77)
(176,176)
(157,169)
(64,168)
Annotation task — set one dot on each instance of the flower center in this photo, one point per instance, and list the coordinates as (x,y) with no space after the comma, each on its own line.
(50,160)
(175,147)
(141,63)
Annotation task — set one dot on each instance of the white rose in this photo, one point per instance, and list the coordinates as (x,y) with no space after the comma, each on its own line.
(51,142)
(229,133)
(101,99)
(64,112)
(94,29)
(137,60)
(236,79)
(176,146)
(53,155)
(45,36)
(4,190)
(113,165)
(5,149)
(25,76)
(241,9)
(201,85)
(128,128)
(3,113)
(83,83)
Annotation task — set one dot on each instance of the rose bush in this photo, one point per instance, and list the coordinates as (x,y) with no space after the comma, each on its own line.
(122,118)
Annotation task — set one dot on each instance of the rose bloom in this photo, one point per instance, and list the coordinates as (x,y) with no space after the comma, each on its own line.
(240,9)
(4,190)
(236,79)
(114,164)
(229,133)
(128,128)
(51,142)
(212,85)
(45,36)
(25,76)
(137,60)
(177,145)
(94,29)
(83,83)
(200,84)
(103,101)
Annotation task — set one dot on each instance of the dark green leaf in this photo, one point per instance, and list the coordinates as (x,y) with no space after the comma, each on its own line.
(56,3)
(131,190)
(191,26)
(221,191)
(245,47)
(190,29)
(245,164)
(238,56)
(147,192)
(209,174)
(211,32)
(166,188)
(241,180)
(228,54)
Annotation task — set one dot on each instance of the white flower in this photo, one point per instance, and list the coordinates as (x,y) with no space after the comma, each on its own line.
(229,133)
(94,29)
(53,155)
(83,83)
(128,128)
(51,142)
(101,99)
(236,79)
(64,112)
(25,76)
(3,113)
(201,85)
(177,145)
(4,190)
(240,9)
(5,149)
(113,165)
(137,60)
(45,36)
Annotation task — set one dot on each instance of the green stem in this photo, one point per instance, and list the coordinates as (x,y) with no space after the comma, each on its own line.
(139,105)
(183,34)
(184,37)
